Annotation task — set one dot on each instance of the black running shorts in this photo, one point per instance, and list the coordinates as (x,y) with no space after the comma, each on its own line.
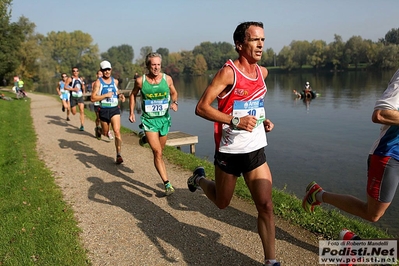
(238,164)
(106,114)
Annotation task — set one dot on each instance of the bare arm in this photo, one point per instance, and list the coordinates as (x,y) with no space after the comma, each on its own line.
(223,79)
(58,89)
(173,94)
(267,123)
(96,98)
(120,95)
(132,98)
(386,117)
(83,87)
(67,86)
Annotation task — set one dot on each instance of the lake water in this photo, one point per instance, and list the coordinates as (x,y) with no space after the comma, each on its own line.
(326,140)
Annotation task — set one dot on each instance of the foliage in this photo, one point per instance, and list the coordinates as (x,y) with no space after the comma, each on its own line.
(11,37)
(392,36)
(200,67)
(28,52)
(215,54)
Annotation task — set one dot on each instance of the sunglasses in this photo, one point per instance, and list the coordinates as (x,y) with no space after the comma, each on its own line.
(75,70)
(106,69)
(64,76)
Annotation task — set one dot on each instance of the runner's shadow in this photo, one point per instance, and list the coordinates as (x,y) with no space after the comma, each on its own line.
(77,145)
(197,245)
(195,202)
(69,128)
(57,120)
(91,158)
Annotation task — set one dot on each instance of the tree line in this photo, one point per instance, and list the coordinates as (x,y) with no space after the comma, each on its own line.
(40,59)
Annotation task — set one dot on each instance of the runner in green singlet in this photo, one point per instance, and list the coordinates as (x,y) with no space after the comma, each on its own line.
(158,96)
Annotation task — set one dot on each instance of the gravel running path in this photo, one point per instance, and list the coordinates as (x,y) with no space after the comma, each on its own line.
(126,220)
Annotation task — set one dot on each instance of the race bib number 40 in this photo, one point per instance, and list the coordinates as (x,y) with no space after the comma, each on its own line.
(255,108)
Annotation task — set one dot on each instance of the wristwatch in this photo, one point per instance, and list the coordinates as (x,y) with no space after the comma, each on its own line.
(235,121)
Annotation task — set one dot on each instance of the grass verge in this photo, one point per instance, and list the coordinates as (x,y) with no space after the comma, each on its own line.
(37,226)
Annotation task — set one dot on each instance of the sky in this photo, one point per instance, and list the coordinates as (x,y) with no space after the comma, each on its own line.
(183,24)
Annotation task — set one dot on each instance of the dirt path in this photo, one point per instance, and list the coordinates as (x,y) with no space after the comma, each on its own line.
(124,216)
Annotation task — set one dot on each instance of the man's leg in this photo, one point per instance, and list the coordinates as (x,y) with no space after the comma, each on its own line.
(68,106)
(157,145)
(97,116)
(221,190)
(259,182)
(372,210)
(72,105)
(82,113)
(116,126)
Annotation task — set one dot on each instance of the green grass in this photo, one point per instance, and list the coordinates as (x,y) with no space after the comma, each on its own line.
(37,226)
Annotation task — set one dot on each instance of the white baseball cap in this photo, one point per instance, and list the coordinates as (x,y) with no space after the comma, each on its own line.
(105,65)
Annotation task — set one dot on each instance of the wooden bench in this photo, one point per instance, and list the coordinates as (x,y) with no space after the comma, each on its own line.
(178,139)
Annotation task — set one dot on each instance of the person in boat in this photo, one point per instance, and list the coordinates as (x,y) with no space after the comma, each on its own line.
(307,91)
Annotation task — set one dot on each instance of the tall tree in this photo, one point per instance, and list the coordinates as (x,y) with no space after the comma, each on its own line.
(66,50)
(29,51)
(11,37)
(122,54)
(317,55)
(301,49)
(199,67)
(392,36)
(355,50)
(334,52)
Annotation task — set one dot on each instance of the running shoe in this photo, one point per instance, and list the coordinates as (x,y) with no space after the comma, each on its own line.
(275,264)
(63,108)
(310,201)
(68,119)
(119,159)
(82,128)
(98,132)
(110,137)
(142,138)
(198,172)
(169,189)
(346,234)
